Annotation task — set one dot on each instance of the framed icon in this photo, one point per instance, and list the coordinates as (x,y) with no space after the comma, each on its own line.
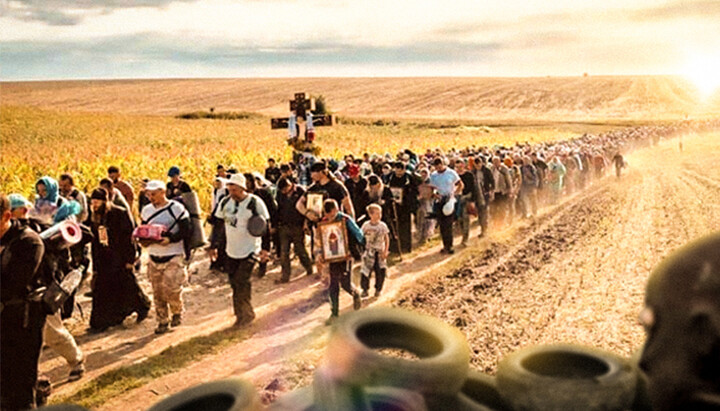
(334,241)
(397,194)
(315,203)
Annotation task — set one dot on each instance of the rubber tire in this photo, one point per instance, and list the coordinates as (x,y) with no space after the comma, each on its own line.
(480,393)
(443,351)
(223,395)
(302,400)
(62,407)
(298,400)
(611,388)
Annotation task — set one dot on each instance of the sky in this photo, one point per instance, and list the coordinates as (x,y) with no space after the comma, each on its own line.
(103,39)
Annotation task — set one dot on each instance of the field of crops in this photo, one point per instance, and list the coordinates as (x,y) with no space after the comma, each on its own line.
(84,126)
(37,142)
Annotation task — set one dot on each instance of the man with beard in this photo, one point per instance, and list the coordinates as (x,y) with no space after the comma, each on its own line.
(22,322)
(404,187)
(116,293)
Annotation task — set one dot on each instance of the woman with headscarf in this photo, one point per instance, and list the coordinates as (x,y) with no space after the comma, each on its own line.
(47,200)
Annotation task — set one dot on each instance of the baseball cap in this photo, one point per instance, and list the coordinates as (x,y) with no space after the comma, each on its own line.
(18,200)
(237,179)
(154,185)
(174,171)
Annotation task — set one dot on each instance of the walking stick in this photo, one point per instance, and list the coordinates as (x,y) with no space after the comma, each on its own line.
(396,225)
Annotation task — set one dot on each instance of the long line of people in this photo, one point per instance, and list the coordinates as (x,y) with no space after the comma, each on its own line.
(386,204)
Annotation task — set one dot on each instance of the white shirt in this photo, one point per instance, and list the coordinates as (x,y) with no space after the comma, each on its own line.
(240,244)
(166,218)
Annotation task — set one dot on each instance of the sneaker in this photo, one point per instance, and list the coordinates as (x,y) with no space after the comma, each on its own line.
(364,294)
(176,320)
(162,328)
(357,302)
(77,372)
(377,293)
(282,281)
(142,315)
(451,251)
(331,319)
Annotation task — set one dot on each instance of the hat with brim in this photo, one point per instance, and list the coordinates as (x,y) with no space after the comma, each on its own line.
(238,180)
(153,185)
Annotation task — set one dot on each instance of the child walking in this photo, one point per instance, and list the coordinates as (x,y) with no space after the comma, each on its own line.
(377,244)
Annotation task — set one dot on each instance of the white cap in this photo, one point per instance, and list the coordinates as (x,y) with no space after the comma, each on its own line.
(155,185)
(237,179)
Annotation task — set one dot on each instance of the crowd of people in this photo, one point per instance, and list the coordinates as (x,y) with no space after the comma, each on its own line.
(384,203)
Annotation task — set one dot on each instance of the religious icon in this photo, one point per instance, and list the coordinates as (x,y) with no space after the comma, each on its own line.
(397,194)
(102,235)
(334,241)
(314,203)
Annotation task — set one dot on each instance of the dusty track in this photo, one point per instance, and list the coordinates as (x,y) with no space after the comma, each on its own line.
(580,277)
(576,274)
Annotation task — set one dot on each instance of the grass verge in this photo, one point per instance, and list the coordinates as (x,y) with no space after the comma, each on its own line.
(124,379)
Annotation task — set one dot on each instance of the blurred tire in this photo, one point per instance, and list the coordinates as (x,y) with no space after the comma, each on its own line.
(298,400)
(223,395)
(480,393)
(443,352)
(566,377)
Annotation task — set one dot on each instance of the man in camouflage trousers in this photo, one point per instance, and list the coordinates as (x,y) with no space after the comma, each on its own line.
(166,267)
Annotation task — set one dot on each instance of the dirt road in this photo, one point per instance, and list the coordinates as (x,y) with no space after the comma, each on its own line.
(575,274)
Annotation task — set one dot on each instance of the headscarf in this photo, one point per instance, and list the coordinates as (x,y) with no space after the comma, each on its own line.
(67,210)
(51,189)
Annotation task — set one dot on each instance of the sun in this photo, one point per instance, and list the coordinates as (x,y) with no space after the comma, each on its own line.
(704,73)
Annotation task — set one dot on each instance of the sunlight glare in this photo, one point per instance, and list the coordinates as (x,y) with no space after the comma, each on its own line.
(704,73)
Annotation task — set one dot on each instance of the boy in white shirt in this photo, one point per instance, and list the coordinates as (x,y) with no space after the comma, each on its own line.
(377,247)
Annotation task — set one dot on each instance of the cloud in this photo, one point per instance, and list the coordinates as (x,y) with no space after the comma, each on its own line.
(70,12)
(23,59)
(704,9)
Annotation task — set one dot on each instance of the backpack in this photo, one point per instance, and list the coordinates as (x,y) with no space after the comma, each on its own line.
(356,248)
(257,225)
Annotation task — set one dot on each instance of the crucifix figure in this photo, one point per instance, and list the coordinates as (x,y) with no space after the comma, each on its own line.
(301,106)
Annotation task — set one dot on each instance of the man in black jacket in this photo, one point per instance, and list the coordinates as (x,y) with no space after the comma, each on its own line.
(22,321)
(290,225)
(404,187)
(485,186)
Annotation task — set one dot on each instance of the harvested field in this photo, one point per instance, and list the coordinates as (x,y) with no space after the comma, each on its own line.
(550,98)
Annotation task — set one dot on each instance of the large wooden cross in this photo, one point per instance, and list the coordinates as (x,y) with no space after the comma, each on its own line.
(301,105)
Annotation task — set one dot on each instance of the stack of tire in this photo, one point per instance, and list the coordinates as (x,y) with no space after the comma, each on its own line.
(357,376)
